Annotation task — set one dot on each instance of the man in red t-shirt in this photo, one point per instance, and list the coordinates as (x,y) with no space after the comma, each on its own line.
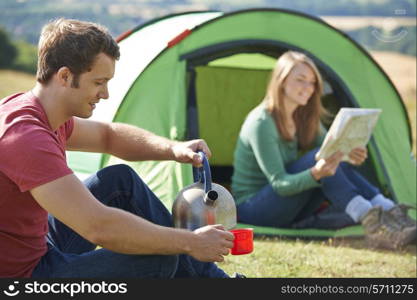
(114,209)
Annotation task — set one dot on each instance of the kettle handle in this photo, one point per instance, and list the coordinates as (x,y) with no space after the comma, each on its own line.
(204,172)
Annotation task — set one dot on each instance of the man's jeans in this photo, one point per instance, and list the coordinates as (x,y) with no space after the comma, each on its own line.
(70,255)
(267,208)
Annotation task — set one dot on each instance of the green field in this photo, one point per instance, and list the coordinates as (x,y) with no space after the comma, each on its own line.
(275,257)
(341,257)
(13,82)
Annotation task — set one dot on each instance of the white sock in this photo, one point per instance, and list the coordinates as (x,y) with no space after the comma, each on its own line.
(380,200)
(358,207)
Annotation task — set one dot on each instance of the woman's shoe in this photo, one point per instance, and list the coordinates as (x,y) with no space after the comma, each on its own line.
(400,213)
(382,231)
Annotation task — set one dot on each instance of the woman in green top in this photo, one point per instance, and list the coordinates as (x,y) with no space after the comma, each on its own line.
(274,185)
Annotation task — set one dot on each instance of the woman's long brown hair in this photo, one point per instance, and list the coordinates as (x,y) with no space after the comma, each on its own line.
(307,117)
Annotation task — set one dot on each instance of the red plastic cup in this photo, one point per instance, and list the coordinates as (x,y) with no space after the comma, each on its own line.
(243,242)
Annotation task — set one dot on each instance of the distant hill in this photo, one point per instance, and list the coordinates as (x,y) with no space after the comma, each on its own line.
(23,19)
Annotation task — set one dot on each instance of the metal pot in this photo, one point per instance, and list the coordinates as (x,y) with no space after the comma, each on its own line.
(204,203)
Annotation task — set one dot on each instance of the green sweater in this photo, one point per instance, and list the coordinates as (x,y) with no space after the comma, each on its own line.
(261,156)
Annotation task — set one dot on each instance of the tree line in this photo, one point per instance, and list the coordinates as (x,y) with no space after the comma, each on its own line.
(21,55)
(17,55)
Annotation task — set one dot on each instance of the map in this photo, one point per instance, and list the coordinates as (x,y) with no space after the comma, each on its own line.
(351,128)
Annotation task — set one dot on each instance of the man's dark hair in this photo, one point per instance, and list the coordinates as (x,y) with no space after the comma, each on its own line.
(73,44)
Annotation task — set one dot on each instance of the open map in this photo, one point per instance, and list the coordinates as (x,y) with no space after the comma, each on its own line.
(351,128)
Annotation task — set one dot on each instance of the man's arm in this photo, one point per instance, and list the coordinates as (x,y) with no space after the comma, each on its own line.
(131,143)
(71,202)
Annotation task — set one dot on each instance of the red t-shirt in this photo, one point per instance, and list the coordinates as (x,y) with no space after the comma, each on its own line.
(31,154)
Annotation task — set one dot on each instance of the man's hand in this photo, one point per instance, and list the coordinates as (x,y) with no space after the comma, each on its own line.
(212,244)
(358,155)
(186,152)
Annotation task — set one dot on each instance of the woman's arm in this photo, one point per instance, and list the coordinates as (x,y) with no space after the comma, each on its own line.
(266,147)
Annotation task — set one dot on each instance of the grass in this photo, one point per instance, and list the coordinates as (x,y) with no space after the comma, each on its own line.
(14,82)
(277,257)
(341,257)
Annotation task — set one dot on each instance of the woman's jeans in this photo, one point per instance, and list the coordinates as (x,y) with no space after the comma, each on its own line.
(267,208)
(70,255)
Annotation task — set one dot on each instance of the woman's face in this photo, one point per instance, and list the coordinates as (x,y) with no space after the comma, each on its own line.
(299,85)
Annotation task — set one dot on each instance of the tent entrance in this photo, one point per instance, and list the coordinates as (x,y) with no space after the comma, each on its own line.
(222,91)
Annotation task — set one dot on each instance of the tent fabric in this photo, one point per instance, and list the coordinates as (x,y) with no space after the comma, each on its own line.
(225,96)
(351,231)
(152,84)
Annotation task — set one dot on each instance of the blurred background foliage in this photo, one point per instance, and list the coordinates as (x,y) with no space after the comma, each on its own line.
(22,20)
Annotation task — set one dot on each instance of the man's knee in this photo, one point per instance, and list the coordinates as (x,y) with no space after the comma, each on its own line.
(116,170)
(111,178)
(119,173)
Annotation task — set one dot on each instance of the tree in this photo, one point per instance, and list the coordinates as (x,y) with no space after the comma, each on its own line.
(8,52)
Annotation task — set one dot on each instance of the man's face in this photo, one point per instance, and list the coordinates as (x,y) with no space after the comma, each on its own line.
(92,87)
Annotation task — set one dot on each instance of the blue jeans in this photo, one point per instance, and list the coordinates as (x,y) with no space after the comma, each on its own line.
(267,208)
(70,255)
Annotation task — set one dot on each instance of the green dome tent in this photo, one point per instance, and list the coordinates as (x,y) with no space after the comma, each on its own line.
(198,74)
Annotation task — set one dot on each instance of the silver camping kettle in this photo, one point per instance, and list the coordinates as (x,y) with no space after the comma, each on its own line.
(204,203)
